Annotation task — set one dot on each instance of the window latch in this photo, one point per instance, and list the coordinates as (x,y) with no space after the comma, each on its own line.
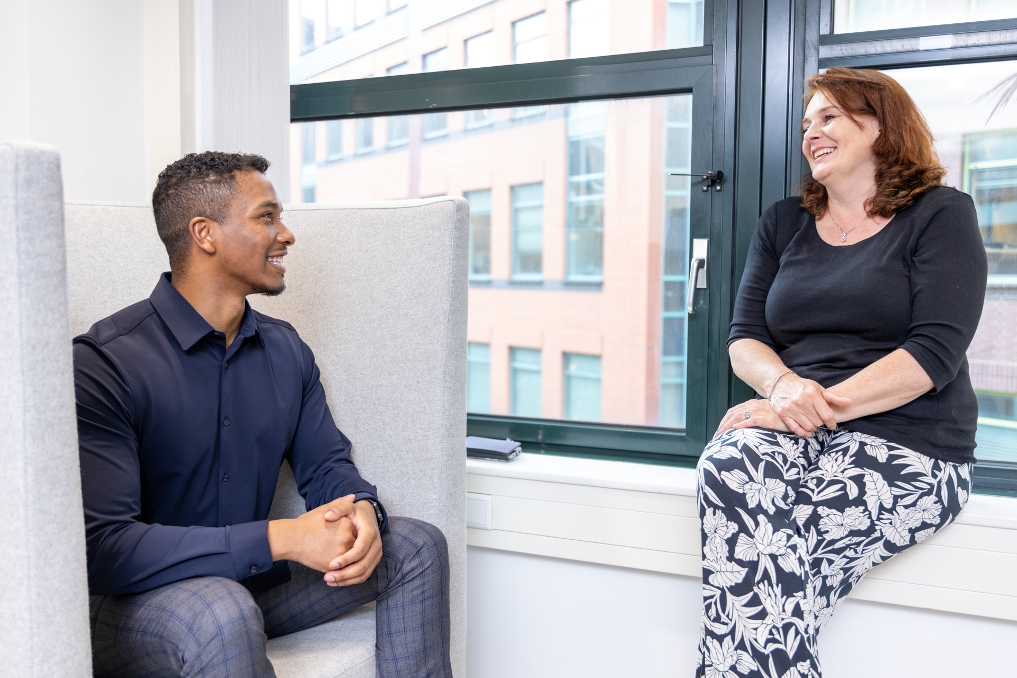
(712,178)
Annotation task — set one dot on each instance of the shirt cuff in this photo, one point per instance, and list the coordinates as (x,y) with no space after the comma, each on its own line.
(383,523)
(249,547)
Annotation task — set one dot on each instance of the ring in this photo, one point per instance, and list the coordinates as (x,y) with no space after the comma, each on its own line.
(747,414)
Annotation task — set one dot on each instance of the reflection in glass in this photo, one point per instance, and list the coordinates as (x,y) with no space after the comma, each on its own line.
(850,16)
(578,244)
(975,127)
(582,387)
(334,134)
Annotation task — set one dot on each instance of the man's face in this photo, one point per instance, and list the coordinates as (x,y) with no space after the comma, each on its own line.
(251,246)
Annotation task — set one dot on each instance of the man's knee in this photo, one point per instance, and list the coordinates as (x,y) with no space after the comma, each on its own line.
(409,539)
(195,623)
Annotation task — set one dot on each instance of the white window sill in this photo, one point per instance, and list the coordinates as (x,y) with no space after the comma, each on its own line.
(645,517)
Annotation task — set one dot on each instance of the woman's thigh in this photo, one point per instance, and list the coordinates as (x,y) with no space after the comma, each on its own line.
(866,500)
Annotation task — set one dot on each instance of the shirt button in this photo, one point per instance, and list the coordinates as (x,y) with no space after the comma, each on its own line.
(254,569)
(226,421)
(225,477)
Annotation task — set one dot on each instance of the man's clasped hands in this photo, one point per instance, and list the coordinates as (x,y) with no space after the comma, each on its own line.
(341,539)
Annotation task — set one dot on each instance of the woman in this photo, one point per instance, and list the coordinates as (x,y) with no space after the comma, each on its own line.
(857,304)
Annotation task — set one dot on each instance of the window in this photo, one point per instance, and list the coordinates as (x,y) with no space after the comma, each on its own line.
(306,27)
(480,234)
(334,132)
(334,20)
(588,28)
(365,135)
(307,146)
(435,123)
(478,378)
(366,11)
(877,15)
(393,5)
(529,39)
(684,23)
(526,383)
(585,216)
(527,231)
(990,177)
(582,387)
(480,53)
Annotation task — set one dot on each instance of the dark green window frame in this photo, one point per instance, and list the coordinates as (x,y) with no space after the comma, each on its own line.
(756,53)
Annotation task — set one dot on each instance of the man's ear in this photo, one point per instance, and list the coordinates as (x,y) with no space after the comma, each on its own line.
(201,233)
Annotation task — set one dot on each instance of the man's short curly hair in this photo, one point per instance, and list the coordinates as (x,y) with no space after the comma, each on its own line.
(197,185)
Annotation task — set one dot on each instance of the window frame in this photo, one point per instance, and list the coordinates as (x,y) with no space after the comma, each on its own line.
(773,45)
(701,71)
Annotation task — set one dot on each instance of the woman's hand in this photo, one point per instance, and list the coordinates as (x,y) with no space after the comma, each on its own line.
(761,415)
(804,405)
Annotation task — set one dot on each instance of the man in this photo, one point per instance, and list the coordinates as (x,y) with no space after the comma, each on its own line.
(188,403)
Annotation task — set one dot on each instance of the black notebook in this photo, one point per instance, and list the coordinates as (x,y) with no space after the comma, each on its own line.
(492,448)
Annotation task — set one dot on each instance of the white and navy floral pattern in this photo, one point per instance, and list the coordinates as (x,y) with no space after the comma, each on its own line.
(791,524)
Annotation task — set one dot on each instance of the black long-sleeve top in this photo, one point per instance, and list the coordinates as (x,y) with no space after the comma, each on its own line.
(828,312)
(181,440)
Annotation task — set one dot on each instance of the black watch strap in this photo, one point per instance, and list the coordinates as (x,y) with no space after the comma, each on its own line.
(377,511)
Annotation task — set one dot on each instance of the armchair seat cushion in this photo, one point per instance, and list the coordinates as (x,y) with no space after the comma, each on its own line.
(341,648)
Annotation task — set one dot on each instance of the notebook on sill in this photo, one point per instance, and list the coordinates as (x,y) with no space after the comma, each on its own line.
(492,448)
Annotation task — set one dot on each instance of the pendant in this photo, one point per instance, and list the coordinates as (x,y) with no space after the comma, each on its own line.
(843,237)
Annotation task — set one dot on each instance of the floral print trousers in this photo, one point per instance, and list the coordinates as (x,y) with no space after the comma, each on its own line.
(791,524)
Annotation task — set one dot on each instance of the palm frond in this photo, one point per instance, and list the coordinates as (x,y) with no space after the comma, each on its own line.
(1003,92)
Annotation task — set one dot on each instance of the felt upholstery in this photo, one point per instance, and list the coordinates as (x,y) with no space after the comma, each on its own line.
(44,596)
(378,291)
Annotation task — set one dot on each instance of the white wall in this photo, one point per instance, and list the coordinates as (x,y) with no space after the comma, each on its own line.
(534,616)
(121,88)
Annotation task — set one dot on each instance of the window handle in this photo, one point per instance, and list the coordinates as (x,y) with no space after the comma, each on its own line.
(697,272)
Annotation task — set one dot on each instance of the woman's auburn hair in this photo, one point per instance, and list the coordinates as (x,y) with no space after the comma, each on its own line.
(906,161)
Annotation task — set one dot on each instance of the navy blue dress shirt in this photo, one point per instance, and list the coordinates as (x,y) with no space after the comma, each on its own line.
(181,440)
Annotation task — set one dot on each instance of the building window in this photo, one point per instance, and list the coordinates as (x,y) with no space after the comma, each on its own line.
(366,11)
(435,123)
(307,143)
(333,19)
(584,221)
(684,23)
(588,28)
(393,5)
(478,378)
(582,387)
(306,27)
(990,178)
(334,132)
(365,135)
(480,234)
(398,125)
(480,53)
(529,39)
(528,232)
(524,364)
(878,15)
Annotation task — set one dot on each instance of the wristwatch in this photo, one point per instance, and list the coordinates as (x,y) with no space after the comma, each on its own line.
(377,511)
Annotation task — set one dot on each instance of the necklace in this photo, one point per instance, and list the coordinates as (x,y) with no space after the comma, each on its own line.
(843,233)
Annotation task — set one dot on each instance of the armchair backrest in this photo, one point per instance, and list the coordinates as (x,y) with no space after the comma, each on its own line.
(378,291)
(44,596)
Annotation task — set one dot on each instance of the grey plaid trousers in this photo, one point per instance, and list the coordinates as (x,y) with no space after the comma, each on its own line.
(211,626)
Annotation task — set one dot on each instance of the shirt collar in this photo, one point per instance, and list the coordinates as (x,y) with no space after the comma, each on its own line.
(185,323)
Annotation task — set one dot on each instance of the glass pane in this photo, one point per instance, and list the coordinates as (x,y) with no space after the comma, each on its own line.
(850,16)
(526,381)
(973,115)
(347,40)
(578,245)
(478,378)
(582,387)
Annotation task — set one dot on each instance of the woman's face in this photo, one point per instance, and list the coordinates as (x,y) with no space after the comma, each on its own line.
(838,150)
